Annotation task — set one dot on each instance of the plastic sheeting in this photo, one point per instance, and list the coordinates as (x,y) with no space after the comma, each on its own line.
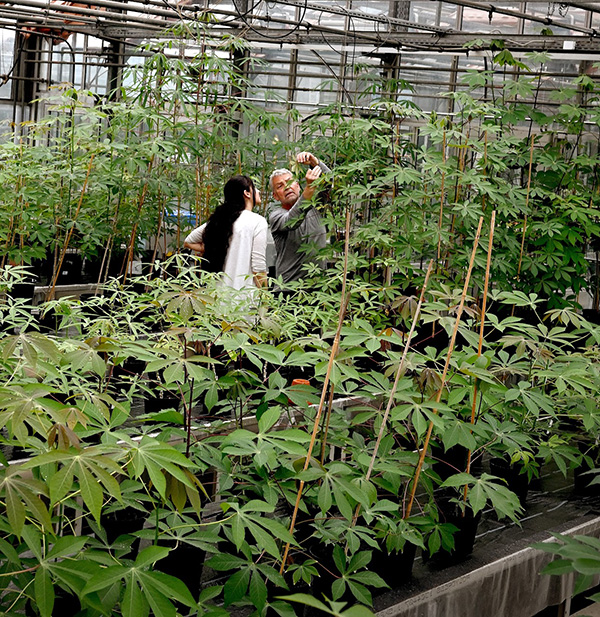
(511,586)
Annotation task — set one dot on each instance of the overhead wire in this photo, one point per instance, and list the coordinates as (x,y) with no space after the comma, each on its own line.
(279,37)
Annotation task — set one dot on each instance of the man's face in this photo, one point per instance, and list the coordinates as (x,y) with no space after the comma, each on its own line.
(286,190)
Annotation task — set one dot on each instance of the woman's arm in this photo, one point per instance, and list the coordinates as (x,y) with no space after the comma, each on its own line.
(198,247)
(260,279)
(194,240)
(259,254)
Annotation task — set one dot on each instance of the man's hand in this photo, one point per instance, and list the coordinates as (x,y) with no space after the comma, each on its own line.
(311,176)
(307,158)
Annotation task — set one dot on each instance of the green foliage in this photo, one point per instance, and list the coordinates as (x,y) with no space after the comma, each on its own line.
(226,482)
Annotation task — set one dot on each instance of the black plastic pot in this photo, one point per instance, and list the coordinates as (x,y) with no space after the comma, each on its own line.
(184,562)
(23,291)
(515,476)
(153,404)
(452,461)
(582,476)
(466,524)
(123,522)
(394,568)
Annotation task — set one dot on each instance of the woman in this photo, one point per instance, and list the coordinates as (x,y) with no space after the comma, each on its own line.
(234,239)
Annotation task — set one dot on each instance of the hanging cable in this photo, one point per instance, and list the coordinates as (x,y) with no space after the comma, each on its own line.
(296,27)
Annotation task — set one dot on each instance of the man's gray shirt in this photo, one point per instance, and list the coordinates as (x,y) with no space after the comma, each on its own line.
(298,234)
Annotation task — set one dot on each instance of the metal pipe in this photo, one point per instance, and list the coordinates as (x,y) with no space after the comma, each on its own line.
(337,10)
(60,10)
(178,14)
(492,8)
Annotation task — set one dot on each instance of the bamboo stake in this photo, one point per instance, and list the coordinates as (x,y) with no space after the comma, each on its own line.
(526,204)
(327,420)
(129,254)
(399,374)
(50,294)
(445,372)
(439,246)
(334,350)
(481,328)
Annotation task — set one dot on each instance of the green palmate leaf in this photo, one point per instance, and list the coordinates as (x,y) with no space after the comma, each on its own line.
(303,598)
(238,531)
(587,566)
(15,511)
(168,586)
(325,497)
(277,529)
(65,546)
(338,587)
(151,555)
(22,498)
(339,558)
(268,419)
(91,493)
(225,562)
(134,603)
(160,605)
(263,539)
(357,611)
(359,560)
(558,566)
(61,483)
(105,578)
(272,575)
(44,592)
(8,552)
(257,591)
(361,593)
(369,578)
(477,498)
(236,586)
(342,503)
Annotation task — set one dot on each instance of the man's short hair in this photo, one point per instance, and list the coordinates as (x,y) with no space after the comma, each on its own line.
(278,172)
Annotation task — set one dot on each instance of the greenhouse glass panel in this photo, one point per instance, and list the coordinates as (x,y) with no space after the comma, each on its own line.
(475,20)
(7,44)
(559,13)
(433,14)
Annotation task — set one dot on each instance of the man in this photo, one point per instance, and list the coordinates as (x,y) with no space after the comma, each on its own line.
(295,222)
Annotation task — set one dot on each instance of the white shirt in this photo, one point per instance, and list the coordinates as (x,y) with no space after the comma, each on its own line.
(247,249)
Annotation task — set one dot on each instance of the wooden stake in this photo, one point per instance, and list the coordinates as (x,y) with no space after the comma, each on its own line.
(399,374)
(50,294)
(439,247)
(334,350)
(526,205)
(481,328)
(445,372)
(129,254)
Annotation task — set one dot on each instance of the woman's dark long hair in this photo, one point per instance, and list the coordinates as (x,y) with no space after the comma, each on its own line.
(219,229)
